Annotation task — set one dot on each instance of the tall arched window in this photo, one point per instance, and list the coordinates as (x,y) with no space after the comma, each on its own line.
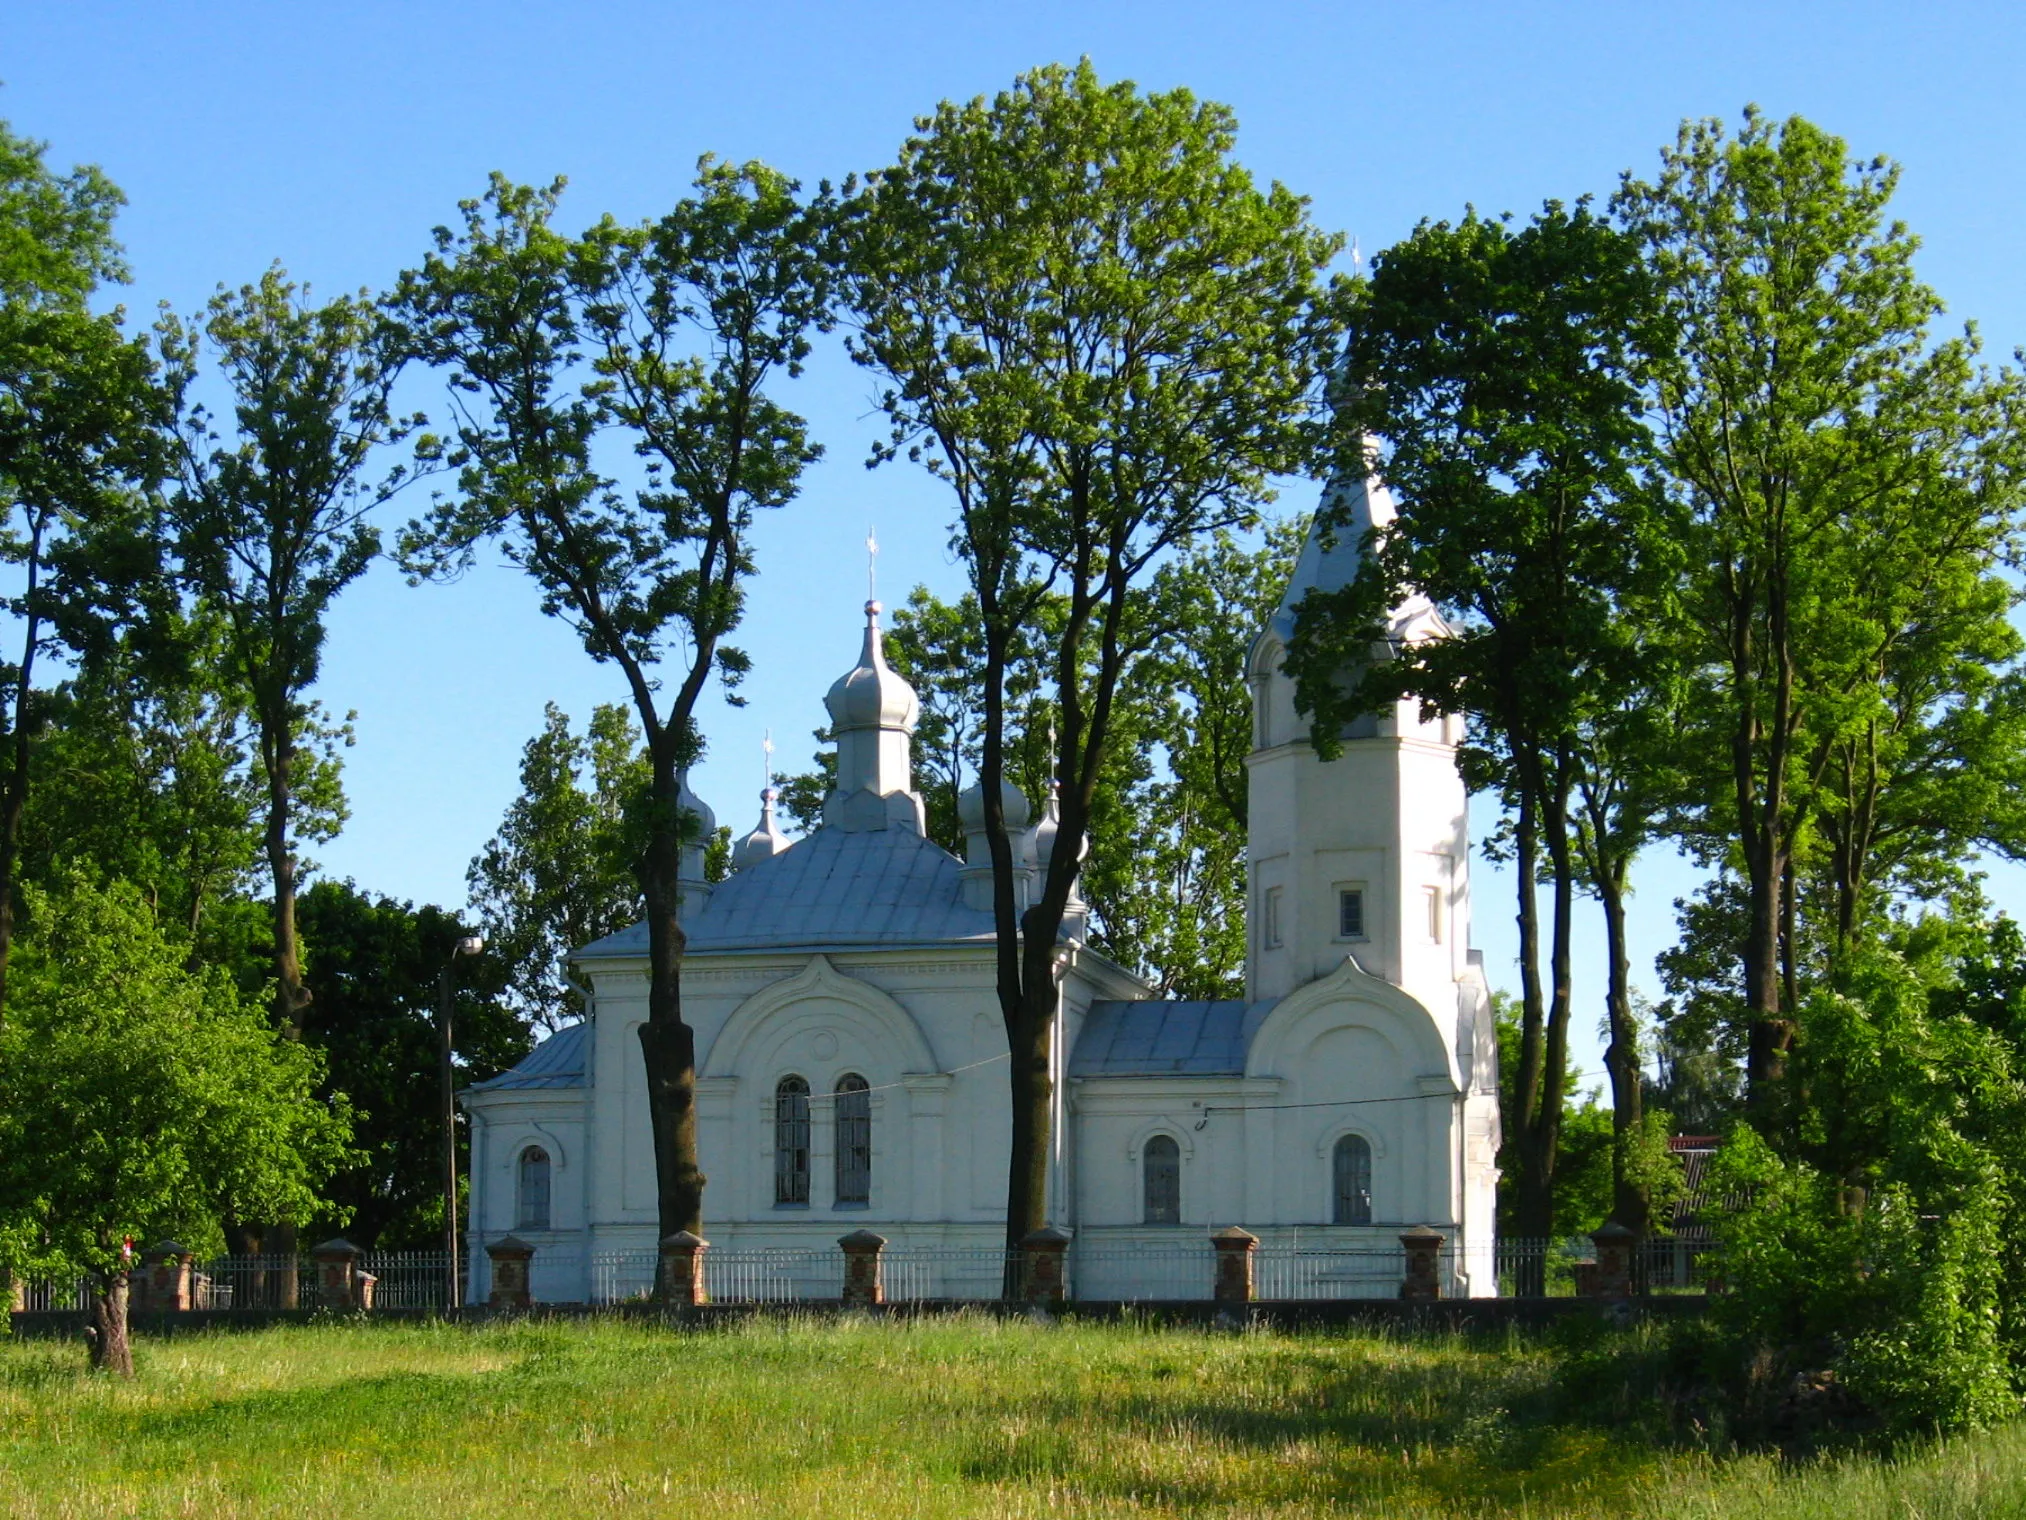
(1352,1172)
(791,1141)
(531,1192)
(1161,1167)
(854,1139)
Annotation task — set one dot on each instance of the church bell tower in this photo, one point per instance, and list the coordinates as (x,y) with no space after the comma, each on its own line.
(1365,856)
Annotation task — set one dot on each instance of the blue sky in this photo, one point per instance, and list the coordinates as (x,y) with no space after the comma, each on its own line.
(333,138)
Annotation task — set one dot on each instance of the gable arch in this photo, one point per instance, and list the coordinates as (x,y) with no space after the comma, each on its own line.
(1349,998)
(770,1017)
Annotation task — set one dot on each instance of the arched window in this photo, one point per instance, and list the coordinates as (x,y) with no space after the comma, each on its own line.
(1351,1168)
(1161,1165)
(854,1140)
(791,1141)
(531,1210)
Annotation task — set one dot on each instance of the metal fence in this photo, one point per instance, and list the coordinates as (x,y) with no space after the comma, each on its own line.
(1095,1270)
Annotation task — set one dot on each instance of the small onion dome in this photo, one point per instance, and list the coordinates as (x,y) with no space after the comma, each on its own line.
(971,806)
(870,695)
(1050,826)
(765,842)
(689,802)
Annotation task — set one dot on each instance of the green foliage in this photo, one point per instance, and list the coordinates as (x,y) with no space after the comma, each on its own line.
(1850,486)
(1896,1234)
(375,964)
(562,870)
(139,1099)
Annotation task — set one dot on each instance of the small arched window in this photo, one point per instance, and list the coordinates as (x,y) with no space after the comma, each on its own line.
(854,1140)
(1351,1168)
(1161,1166)
(791,1141)
(531,1191)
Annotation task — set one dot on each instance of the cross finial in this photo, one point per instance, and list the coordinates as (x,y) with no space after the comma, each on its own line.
(767,760)
(1357,258)
(871,566)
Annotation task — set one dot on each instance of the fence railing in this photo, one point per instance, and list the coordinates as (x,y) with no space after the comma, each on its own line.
(401,1280)
(1094,1269)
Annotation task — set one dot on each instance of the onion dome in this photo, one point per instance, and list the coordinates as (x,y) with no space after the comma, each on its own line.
(765,842)
(870,695)
(971,807)
(689,802)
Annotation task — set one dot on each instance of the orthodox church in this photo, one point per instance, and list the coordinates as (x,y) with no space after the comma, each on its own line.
(852,1063)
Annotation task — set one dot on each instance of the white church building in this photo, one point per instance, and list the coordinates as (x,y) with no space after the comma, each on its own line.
(852,1062)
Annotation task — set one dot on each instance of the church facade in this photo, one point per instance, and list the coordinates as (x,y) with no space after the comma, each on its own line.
(852,1063)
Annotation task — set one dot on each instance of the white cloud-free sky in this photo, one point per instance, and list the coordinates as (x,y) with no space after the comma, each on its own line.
(333,138)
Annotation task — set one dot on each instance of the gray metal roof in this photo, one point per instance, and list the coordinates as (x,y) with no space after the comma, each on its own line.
(1167,1039)
(880,887)
(557,1062)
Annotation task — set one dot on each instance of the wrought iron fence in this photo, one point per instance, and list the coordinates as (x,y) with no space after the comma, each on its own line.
(1122,1272)
(413,1279)
(1353,1272)
(1094,1270)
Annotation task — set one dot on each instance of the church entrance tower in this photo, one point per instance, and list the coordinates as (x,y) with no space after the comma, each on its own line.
(1365,856)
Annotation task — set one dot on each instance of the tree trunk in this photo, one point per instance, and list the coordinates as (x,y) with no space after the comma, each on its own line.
(1630,1205)
(1534,1203)
(14,794)
(291,997)
(667,1044)
(110,1347)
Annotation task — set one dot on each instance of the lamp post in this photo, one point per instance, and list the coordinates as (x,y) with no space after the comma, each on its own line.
(471,944)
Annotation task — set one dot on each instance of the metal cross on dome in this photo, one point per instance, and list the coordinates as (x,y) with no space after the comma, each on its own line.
(871,566)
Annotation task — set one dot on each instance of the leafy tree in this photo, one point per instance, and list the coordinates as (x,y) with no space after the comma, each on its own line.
(1105,338)
(139,1100)
(76,411)
(1848,480)
(374,1023)
(683,324)
(269,515)
(1501,367)
(1893,1236)
(147,775)
(560,872)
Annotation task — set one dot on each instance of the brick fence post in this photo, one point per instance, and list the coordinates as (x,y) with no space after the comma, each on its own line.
(1613,1275)
(682,1269)
(165,1279)
(1041,1262)
(864,1284)
(338,1274)
(1234,1247)
(510,1257)
(1423,1278)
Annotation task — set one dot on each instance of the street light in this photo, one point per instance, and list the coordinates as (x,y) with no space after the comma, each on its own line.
(471,944)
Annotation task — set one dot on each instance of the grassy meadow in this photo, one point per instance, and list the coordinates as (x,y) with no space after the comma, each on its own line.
(965,1417)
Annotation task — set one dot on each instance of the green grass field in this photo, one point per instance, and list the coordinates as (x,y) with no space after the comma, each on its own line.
(962,1417)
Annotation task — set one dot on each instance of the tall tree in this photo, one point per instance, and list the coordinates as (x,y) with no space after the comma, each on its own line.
(77,409)
(1840,468)
(1501,367)
(375,962)
(1105,338)
(269,514)
(561,870)
(668,336)
(140,1100)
